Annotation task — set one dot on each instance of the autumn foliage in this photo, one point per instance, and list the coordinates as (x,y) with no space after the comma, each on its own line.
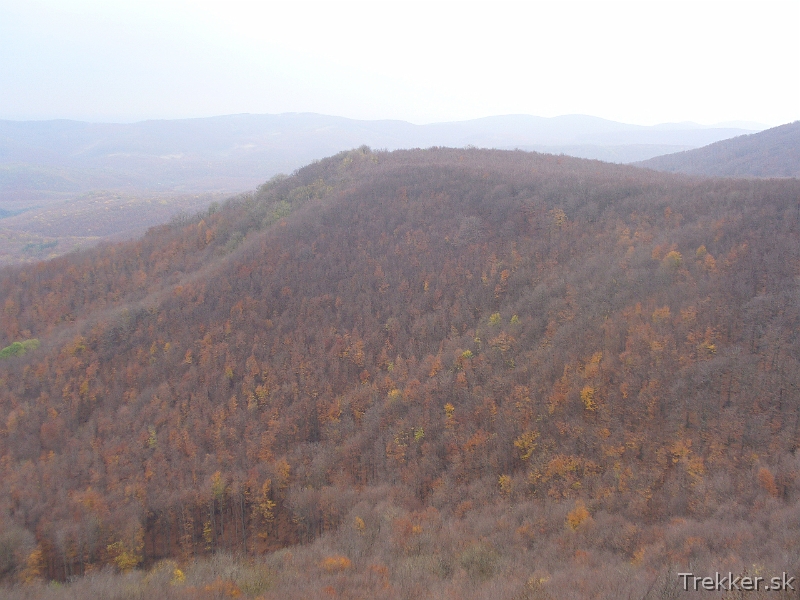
(393,348)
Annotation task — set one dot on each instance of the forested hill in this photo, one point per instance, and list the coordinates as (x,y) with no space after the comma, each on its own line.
(771,153)
(465,368)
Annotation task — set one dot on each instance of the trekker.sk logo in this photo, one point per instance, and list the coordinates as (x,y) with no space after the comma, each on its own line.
(722,582)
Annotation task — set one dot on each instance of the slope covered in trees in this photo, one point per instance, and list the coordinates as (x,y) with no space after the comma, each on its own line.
(457,372)
(771,153)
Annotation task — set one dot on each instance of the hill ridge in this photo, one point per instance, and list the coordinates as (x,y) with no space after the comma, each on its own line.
(774,152)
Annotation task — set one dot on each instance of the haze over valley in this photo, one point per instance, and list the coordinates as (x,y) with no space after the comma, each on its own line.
(42,160)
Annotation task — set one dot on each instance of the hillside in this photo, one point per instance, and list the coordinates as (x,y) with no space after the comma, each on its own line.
(439,373)
(771,153)
(41,161)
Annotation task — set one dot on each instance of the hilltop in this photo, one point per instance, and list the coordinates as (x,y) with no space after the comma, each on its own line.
(67,184)
(771,153)
(434,372)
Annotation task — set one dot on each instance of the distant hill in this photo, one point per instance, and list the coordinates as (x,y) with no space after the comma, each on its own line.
(46,160)
(771,153)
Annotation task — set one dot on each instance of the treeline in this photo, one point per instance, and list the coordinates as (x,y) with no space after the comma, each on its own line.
(466,331)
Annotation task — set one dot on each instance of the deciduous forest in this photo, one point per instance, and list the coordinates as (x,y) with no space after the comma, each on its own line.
(442,373)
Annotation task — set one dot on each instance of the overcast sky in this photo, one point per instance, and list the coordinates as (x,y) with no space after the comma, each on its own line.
(642,62)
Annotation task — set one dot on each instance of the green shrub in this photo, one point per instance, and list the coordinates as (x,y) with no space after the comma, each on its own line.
(19,348)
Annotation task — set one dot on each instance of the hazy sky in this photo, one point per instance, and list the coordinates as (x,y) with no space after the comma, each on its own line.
(641,62)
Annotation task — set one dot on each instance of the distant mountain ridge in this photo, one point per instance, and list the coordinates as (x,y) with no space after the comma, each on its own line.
(42,159)
(771,153)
